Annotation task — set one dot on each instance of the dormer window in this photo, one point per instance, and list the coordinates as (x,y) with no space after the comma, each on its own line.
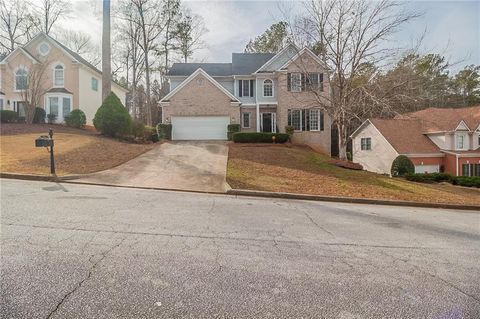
(21,79)
(460,141)
(267,88)
(58,76)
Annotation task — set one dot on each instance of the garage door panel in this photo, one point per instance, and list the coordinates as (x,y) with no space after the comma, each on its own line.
(200,127)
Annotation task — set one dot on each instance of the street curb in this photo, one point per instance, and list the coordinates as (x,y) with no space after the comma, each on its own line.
(34,177)
(350,200)
(71,179)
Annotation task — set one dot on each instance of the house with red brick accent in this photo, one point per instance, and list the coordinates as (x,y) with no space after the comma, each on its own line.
(435,139)
(263,92)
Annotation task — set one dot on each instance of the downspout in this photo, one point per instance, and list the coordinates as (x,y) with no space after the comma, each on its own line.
(258,117)
(456,164)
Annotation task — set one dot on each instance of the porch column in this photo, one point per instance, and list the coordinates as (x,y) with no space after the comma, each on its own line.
(258,117)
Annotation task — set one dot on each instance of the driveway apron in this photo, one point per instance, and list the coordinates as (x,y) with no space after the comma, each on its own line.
(192,165)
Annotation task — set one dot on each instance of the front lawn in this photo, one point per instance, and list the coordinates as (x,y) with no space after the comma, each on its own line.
(76,151)
(296,169)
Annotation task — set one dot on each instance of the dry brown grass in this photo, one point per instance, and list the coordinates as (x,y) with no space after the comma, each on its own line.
(294,169)
(74,153)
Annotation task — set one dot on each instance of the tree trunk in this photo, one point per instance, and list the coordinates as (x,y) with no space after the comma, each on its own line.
(106,52)
(342,141)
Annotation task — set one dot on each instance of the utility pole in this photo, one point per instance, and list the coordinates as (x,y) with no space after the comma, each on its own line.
(106,52)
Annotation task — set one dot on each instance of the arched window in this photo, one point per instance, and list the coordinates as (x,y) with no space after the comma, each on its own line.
(21,80)
(58,76)
(267,87)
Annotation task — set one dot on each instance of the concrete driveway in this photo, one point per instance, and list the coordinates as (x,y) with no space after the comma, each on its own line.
(198,166)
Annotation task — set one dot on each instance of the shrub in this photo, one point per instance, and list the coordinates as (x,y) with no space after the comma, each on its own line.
(76,118)
(289,129)
(164,131)
(137,129)
(112,118)
(150,133)
(7,116)
(52,118)
(402,165)
(233,127)
(468,181)
(256,137)
(39,115)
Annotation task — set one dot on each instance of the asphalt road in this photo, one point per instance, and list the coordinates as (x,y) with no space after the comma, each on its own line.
(79,251)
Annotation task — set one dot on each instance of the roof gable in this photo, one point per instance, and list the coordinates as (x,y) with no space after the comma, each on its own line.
(191,78)
(462,126)
(279,59)
(301,53)
(20,50)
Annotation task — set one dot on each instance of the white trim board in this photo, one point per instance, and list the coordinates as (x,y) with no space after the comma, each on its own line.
(190,78)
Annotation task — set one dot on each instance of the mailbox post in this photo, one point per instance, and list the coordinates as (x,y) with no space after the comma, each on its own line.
(47,141)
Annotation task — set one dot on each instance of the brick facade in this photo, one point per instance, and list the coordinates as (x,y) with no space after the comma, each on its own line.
(200,97)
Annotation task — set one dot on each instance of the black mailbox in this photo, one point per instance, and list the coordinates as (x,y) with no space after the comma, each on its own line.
(43,141)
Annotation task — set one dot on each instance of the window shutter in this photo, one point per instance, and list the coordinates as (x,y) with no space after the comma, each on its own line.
(251,88)
(240,88)
(303,81)
(321,121)
(320,84)
(289,82)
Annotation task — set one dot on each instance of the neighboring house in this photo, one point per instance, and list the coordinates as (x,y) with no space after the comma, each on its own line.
(263,92)
(435,139)
(68,81)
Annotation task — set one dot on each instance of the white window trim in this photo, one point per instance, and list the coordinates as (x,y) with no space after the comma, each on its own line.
(249,119)
(60,97)
(263,88)
(91,84)
(465,138)
(361,144)
(40,45)
(301,119)
(63,75)
(291,81)
(15,77)
(318,119)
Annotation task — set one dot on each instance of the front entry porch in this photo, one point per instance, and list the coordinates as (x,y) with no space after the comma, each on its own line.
(259,119)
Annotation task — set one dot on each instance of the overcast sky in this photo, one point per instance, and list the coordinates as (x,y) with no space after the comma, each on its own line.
(452,27)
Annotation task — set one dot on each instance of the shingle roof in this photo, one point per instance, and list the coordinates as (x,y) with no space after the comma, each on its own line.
(59,90)
(445,119)
(405,136)
(213,69)
(242,64)
(248,63)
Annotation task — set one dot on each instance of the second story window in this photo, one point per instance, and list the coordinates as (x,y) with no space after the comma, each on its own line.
(267,88)
(58,76)
(315,81)
(21,80)
(460,142)
(366,143)
(94,84)
(295,82)
(245,88)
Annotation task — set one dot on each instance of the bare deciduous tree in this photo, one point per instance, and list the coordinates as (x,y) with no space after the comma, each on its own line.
(352,36)
(81,43)
(15,24)
(49,12)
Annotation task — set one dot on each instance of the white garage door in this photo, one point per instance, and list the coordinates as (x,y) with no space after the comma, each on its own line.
(427,169)
(199,127)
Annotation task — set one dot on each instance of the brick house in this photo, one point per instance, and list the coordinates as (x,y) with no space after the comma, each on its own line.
(262,92)
(66,82)
(435,140)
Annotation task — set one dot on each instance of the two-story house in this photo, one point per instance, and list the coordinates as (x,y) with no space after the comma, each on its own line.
(435,140)
(61,78)
(263,92)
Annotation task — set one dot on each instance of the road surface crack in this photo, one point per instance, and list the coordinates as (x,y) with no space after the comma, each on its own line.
(317,225)
(103,255)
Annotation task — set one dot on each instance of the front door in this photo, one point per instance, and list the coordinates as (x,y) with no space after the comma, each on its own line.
(267,122)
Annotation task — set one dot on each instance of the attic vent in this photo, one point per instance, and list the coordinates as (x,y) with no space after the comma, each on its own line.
(200,81)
